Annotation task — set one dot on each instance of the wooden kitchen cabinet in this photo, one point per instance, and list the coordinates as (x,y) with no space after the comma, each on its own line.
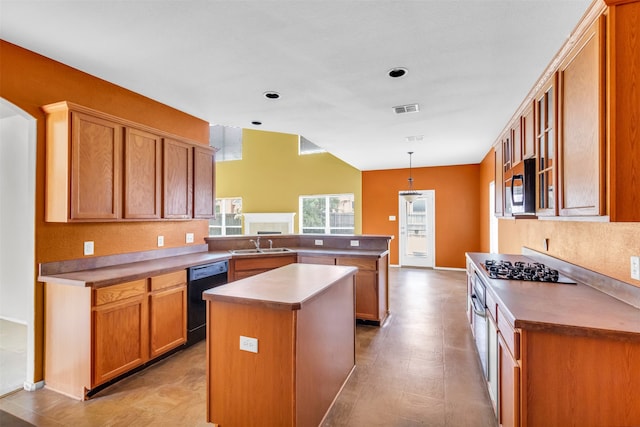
(167,312)
(103,168)
(178,179)
(93,336)
(120,330)
(372,301)
(509,386)
(83,165)
(242,267)
(545,112)
(142,174)
(204,185)
(582,168)
(528,134)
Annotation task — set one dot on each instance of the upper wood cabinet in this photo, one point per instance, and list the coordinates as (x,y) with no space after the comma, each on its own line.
(84,165)
(178,179)
(204,182)
(142,174)
(545,113)
(528,135)
(582,126)
(104,168)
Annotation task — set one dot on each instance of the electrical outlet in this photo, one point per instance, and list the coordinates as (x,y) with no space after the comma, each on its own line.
(249,344)
(319,242)
(88,248)
(189,238)
(354,242)
(160,241)
(392,217)
(635,267)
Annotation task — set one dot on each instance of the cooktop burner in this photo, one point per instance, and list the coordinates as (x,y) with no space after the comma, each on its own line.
(519,270)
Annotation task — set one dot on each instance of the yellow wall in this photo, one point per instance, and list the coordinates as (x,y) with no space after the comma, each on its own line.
(271,175)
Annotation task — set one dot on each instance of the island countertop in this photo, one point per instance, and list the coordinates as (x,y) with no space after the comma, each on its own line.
(286,287)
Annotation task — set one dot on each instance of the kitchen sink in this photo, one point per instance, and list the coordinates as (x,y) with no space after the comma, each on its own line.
(275,250)
(259,251)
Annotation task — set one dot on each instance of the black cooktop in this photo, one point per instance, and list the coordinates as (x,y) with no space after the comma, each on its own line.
(527,271)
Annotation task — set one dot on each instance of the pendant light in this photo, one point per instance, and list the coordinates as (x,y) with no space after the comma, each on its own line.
(410,195)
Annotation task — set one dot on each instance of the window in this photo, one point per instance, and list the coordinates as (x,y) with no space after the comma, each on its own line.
(228,220)
(228,142)
(307,147)
(327,214)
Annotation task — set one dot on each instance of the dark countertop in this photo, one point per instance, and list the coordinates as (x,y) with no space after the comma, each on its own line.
(125,272)
(286,287)
(573,309)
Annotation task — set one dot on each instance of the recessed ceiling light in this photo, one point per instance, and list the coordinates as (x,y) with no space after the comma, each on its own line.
(256,122)
(271,95)
(398,72)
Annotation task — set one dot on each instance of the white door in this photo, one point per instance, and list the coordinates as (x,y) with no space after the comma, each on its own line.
(417,236)
(493,220)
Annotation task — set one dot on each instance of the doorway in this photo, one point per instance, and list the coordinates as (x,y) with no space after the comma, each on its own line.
(17,247)
(417,235)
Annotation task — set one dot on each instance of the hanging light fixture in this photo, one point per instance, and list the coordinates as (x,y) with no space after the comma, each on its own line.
(410,195)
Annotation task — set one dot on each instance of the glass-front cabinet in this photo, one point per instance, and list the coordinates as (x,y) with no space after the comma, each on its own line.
(546,148)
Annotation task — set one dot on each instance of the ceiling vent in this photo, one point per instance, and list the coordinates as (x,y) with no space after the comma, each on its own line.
(415,138)
(409,108)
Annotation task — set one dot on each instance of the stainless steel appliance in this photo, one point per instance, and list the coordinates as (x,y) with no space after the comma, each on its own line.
(480,322)
(523,188)
(200,278)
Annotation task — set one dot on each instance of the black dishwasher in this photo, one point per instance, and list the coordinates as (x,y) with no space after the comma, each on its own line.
(200,278)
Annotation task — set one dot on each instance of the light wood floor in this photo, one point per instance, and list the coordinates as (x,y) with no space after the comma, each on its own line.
(419,369)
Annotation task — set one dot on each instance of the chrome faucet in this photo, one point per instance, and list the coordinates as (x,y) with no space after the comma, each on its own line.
(270,244)
(256,243)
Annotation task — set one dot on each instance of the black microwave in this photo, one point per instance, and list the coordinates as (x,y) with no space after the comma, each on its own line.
(523,188)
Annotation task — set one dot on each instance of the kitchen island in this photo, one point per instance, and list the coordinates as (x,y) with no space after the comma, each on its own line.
(280,345)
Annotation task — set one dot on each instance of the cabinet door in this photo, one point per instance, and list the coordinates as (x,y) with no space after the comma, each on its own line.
(178,179)
(367,295)
(96,156)
(120,338)
(142,174)
(498,181)
(168,319)
(167,312)
(307,259)
(204,185)
(582,115)
(516,137)
(509,386)
(528,135)
(546,148)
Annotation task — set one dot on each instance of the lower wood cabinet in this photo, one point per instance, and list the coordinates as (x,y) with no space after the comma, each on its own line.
(509,386)
(240,268)
(371,283)
(94,335)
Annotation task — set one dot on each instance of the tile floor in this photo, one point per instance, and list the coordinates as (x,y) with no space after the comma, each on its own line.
(419,369)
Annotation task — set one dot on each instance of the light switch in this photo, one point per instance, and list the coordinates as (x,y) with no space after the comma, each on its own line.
(354,242)
(160,241)
(319,242)
(635,267)
(189,238)
(392,217)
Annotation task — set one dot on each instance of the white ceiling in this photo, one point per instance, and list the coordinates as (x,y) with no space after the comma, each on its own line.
(470,63)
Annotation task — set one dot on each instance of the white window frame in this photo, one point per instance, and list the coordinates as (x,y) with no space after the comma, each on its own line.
(223,226)
(327,224)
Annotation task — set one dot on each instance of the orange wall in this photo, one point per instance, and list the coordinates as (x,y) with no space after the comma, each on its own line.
(457,204)
(30,81)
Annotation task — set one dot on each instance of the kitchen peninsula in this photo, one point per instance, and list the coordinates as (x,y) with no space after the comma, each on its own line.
(280,345)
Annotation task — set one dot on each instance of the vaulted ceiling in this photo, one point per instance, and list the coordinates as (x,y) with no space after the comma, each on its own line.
(470,64)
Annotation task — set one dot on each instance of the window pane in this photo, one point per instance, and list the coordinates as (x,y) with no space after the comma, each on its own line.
(313,211)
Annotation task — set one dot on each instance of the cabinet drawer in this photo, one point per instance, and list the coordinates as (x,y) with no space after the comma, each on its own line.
(119,292)
(168,280)
(510,336)
(263,263)
(361,263)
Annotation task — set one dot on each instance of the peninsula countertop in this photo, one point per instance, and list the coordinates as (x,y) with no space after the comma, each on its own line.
(573,309)
(287,287)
